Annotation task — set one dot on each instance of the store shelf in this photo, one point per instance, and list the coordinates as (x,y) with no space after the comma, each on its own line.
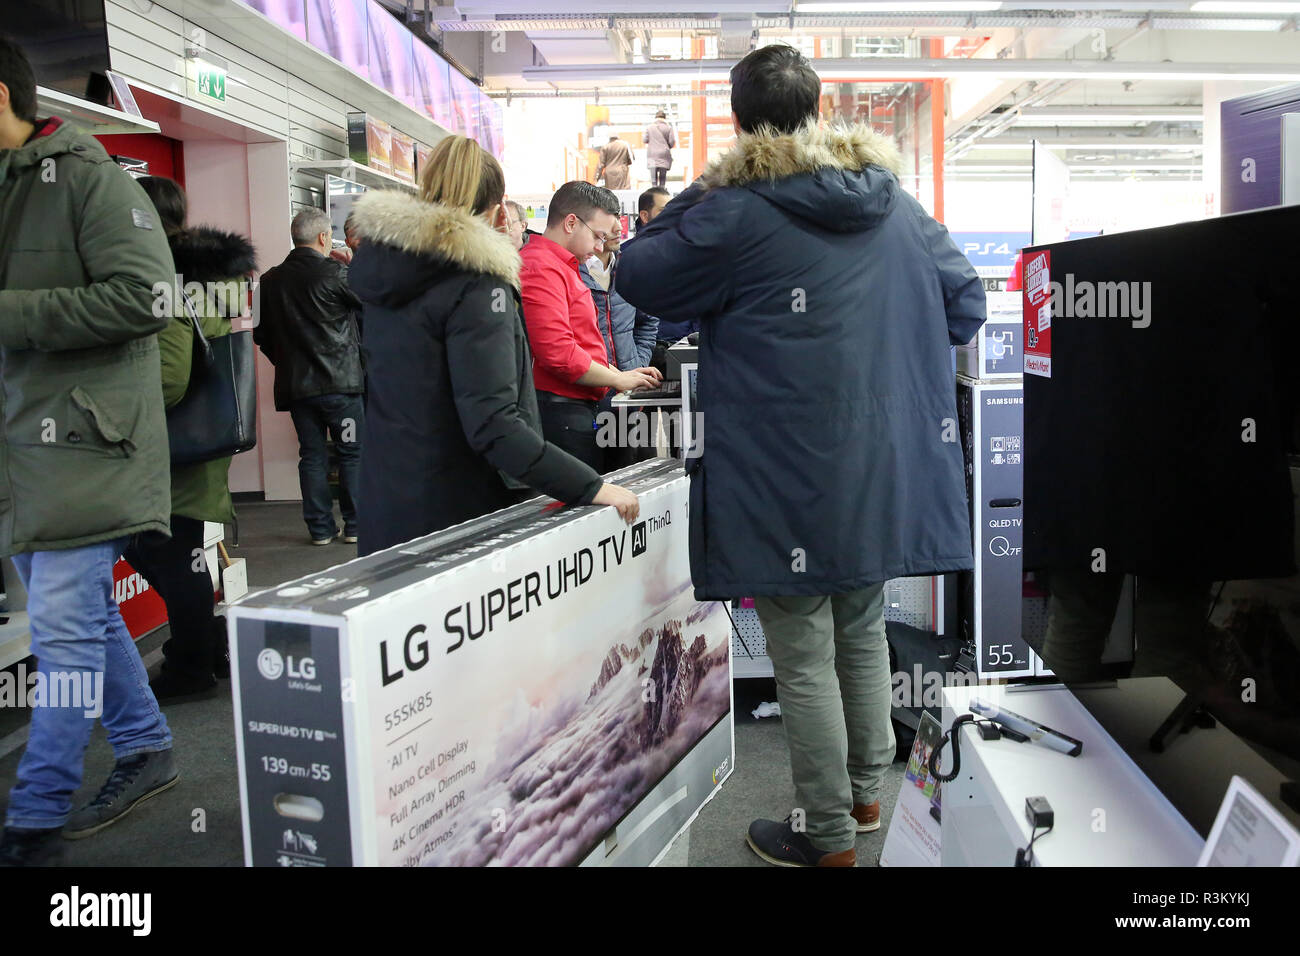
(92,117)
(352,172)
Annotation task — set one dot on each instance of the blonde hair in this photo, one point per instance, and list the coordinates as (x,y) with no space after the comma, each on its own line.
(462,174)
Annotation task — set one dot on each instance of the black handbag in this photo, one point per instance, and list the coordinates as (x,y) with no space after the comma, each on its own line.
(217,417)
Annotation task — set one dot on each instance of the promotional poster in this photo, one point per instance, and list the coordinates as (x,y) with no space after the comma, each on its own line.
(914,832)
(536,688)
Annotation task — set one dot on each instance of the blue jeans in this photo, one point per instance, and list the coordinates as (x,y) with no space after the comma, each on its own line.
(80,642)
(343,418)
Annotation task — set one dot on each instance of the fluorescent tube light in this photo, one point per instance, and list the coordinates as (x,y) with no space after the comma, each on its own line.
(925,6)
(1245,6)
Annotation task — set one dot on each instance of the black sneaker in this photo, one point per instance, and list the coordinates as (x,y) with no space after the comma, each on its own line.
(20,847)
(168,688)
(779,844)
(134,779)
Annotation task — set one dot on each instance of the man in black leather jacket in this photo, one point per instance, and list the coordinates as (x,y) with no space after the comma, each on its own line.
(307,326)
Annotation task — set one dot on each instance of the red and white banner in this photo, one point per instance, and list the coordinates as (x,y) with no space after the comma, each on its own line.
(142,608)
(1038,313)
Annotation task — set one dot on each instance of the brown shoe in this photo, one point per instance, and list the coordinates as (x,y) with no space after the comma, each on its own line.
(867,815)
(847,858)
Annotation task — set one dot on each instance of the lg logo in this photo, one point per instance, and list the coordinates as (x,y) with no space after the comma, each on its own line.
(271,665)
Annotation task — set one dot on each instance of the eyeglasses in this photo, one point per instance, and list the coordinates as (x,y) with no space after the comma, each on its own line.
(599,235)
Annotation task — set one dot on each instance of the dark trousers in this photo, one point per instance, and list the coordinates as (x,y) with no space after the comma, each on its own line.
(177,569)
(342,418)
(571,424)
(659,176)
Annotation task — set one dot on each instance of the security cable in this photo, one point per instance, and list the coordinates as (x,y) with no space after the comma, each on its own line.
(954,735)
(1025,855)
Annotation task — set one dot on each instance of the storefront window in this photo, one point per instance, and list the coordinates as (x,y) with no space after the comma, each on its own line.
(897,109)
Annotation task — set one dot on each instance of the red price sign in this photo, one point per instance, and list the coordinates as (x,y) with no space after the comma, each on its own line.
(1036,291)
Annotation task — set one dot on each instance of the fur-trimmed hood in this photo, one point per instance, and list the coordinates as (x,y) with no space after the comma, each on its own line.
(433,231)
(840,177)
(204,254)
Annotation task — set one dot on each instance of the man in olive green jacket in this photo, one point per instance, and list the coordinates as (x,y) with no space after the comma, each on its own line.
(83,456)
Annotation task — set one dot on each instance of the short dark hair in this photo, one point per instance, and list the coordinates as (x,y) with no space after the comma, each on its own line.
(170,201)
(16,73)
(661,115)
(775,86)
(581,199)
(647,200)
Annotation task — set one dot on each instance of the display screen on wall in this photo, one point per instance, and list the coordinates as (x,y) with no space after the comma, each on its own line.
(339,28)
(432,85)
(66,43)
(290,14)
(391,54)
(371,42)
(463,95)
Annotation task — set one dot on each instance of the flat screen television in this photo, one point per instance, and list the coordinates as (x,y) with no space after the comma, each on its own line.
(1164,446)
(66,43)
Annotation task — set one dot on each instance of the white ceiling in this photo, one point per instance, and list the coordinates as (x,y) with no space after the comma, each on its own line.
(1063,54)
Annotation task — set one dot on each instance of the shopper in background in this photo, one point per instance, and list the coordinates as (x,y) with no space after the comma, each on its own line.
(175,566)
(828,300)
(633,342)
(659,140)
(86,462)
(351,239)
(615,164)
(307,326)
(516,226)
(351,234)
(454,430)
(650,204)
(616,321)
(572,365)
(527,233)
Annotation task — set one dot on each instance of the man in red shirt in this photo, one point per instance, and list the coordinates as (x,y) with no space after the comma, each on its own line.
(572,368)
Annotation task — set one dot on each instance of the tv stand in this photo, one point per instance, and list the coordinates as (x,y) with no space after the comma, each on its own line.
(1189,713)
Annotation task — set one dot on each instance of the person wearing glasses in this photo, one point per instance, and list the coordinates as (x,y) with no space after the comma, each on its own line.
(516,225)
(572,366)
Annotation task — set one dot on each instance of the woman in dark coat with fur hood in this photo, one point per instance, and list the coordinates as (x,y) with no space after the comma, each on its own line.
(221,262)
(452,428)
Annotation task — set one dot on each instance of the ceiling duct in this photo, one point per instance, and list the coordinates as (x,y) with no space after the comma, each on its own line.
(737,37)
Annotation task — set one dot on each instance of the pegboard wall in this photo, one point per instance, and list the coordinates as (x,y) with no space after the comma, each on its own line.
(907,601)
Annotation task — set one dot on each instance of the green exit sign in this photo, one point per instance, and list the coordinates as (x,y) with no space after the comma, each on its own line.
(212,81)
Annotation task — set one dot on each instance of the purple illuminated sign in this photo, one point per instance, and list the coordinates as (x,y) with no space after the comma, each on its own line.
(391,55)
(339,28)
(369,41)
(290,14)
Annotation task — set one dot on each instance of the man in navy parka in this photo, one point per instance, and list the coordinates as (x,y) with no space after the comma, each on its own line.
(830,459)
